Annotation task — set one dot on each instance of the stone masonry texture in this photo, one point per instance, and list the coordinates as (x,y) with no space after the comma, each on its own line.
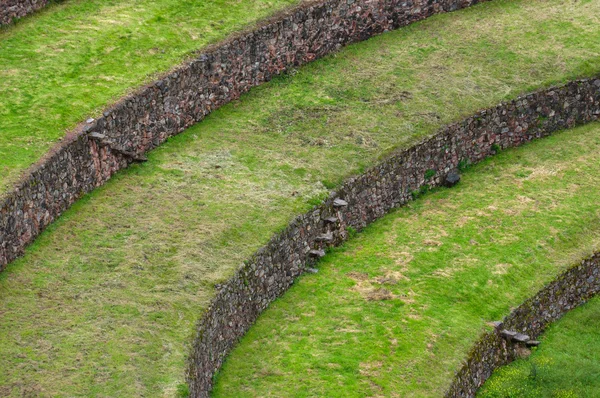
(363,199)
(571,289)
(94,151)
(14,9)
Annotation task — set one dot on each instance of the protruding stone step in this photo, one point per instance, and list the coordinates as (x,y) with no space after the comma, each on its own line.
(521,338)
(515,336)
(508,334)
(340,203)
(497,324)
(328,237)
(331,220)
(532,343)
(317,253)
(97,136)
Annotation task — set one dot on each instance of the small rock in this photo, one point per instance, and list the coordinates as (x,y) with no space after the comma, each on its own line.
(532,343)
(331,220)
(312,270)
(90,120)
(452,179)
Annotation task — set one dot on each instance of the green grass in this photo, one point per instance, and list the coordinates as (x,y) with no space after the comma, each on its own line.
(565,365)
(394,311)
(69,61)
(104,303)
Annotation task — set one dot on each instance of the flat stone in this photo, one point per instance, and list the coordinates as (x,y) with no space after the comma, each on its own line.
(317,253)
(331,220)
(509,334)
(339,203)
(328,237)
(514,336)
(98,136)
(521,338)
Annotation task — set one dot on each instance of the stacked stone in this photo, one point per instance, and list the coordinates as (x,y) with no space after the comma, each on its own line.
(14,9)
(363,199)
(140,122)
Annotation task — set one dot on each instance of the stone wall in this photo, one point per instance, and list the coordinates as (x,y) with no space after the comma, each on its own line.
(494,349)
(95,150)
(13,9)
(365,198)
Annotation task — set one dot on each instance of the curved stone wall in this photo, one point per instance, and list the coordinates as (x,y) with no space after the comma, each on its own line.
(363,199)
(14,9)
(500,347)
(95,150)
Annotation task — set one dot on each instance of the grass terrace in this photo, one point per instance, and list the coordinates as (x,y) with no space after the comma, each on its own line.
(104,303)
(394,311)
(69,61)
(565,365)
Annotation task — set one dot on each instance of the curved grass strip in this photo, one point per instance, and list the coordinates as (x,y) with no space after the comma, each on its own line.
(106,300)
(395,310)
(65,64)
(570,289)
(365,198)
(94,151)
(566,364)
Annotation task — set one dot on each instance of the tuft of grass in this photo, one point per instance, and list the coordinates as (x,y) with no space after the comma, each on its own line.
(105,301)
(395,311)
(429,174)
(565,365)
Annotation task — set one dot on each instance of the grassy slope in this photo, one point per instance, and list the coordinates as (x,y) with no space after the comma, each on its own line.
(68,61)
(104,302)
(566,365)
(394,312)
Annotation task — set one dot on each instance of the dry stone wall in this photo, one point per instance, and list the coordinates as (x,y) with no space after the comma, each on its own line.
(95,150)
(365,198)
(14,9)
(496,348)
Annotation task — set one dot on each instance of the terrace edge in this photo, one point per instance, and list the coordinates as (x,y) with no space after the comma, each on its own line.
(363,199)
(95,150)
(496,348)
